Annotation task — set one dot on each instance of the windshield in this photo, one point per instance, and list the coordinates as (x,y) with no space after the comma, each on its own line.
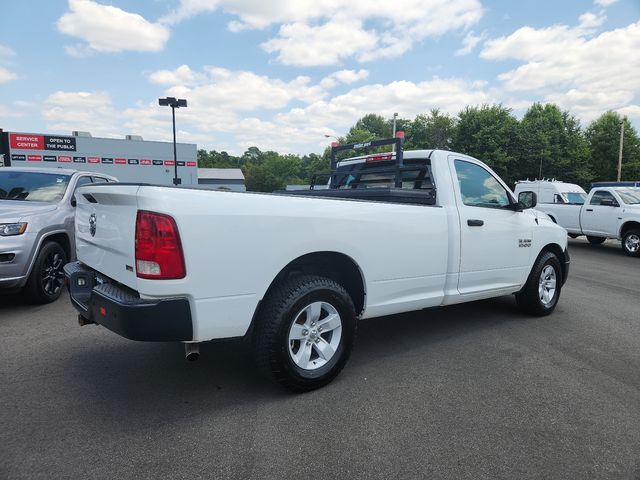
(32,186)
(575,197)
(630,196)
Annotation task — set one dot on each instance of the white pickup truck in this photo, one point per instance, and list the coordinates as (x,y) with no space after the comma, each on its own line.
(607,212)
(294,272)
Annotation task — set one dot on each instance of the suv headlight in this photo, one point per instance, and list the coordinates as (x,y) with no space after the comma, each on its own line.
(8,229)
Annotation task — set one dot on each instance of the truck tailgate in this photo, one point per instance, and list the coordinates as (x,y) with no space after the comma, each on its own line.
(105,230)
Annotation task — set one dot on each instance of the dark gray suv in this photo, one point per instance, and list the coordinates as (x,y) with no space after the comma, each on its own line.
(37,210)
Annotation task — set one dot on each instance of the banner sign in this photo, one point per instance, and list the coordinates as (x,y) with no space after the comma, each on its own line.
(20,141)
(59,143)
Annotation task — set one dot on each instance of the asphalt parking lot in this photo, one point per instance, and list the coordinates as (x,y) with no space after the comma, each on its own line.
(471,391)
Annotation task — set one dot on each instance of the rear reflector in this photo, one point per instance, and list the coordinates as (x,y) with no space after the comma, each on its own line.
(158,249)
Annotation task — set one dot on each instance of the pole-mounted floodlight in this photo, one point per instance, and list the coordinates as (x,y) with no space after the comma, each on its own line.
(173,103)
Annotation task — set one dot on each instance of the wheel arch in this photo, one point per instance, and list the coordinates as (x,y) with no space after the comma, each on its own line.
(334,265)
(629,225)
(562,255)
(59,236)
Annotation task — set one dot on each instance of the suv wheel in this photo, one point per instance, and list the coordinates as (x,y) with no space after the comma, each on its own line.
(304,332)
(47,278)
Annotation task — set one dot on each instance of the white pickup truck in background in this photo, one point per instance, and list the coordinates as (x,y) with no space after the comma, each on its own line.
(607,212)
(294,272)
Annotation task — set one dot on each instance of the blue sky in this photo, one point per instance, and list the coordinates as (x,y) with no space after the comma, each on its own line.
(281,74)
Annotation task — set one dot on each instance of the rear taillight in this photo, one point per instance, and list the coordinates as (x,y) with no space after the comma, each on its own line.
(158,248)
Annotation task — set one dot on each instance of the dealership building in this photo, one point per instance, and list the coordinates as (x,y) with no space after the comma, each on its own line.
(130,159)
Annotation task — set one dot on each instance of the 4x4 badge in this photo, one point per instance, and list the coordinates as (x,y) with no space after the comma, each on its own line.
(92,224)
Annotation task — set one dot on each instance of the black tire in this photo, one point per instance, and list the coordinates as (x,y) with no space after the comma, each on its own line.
(595,240)
(46,280)
(271,343)
(573,235)
(528,299)
(630,243)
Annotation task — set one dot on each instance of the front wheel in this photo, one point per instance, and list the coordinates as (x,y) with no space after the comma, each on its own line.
(540,294)
(631,243)
(47,278)
(595,240)
(304,332)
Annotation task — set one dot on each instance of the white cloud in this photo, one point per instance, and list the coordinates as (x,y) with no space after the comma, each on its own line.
(93,111)
(222,89)
(408,98)
(6,75)
(303,45)
(233,110)
(325,32)
(105,28)
(580,70)
(343,76)
(589,20)
(469,43)
(183,75)
(6,52)
(604,3)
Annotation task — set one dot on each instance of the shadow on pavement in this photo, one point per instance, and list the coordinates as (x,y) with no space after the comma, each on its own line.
(610,247)
(141,381)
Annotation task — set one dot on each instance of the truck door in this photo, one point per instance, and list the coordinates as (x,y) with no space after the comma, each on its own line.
(495,242)
(600,215)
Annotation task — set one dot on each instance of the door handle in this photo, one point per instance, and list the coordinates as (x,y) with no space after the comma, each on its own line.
(475,223)
(589,209)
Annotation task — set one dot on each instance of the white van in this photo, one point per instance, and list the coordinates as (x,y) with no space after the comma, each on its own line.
(553,191)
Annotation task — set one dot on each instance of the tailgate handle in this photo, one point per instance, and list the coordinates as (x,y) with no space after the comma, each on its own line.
(475,223)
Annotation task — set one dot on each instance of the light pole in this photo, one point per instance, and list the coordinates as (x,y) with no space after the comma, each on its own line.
(395,116)
(173,103)
(620,151)
(326,135)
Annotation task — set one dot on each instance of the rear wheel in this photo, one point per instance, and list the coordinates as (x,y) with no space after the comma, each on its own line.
(631,243)
(540,294)
(304,332)
(595,240)
(47,278)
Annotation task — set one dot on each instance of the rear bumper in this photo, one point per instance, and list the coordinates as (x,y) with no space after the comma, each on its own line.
(122,311)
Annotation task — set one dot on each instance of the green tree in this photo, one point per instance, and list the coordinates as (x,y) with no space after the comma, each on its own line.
(603,135)
(489,133)
(258,178)
(552,145)
(432,130)
(376,125)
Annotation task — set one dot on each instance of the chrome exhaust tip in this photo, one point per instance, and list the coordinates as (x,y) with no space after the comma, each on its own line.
(191,352)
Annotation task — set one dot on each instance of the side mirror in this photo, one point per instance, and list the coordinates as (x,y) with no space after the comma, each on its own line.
(527,200)
(608,202)
(74,201)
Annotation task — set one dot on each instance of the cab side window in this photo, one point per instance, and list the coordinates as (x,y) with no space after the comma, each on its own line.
(479,188)
(558,199)
(99,180)
(601,195)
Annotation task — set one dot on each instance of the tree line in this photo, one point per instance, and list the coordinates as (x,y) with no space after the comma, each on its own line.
(546,143)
